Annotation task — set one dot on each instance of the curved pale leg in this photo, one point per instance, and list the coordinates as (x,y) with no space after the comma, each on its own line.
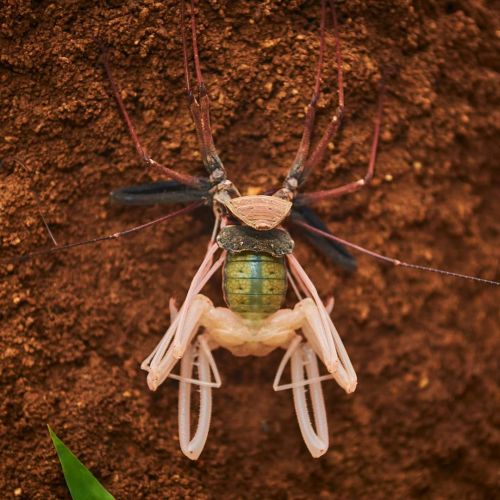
(321,332)
(302,356)
(162,360)
(185,323)
(343,371)
(319,322)
(281,368)
(205,272)
(351,379)
(197,354)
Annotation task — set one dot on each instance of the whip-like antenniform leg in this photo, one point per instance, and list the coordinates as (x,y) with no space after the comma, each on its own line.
(114,236)
(391,260)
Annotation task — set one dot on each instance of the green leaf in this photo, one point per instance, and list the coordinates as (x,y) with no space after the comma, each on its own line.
(81,483)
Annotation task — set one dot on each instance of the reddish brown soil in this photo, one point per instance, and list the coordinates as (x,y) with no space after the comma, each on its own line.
(75,327)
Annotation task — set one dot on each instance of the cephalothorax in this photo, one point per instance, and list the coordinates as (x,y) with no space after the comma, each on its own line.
(254,250)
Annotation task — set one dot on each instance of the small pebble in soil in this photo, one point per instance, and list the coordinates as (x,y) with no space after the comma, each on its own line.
(386,136)
(417,166)
(423,382)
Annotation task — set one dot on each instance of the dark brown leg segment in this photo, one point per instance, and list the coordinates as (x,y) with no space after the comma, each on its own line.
(319,150)
(200,105)
(351,187)
(303,163)
(186,179)
(297,169)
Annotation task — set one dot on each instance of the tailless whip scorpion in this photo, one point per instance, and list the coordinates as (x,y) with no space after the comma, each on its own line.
(252,247)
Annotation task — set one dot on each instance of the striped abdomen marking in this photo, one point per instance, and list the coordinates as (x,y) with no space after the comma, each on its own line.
(254,284)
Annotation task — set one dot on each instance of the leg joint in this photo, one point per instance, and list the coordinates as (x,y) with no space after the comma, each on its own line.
(367,178)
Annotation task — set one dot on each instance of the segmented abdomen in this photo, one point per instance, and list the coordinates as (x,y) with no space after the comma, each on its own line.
(254,284)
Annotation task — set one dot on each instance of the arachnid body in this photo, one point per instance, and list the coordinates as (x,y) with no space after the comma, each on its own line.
(256,255)
(253,248)
(243,248)
(253,324)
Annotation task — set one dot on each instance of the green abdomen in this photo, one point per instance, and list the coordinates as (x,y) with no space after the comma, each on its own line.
(254,284)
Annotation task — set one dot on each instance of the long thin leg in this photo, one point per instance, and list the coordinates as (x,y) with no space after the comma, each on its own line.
(186,179)
(36,198)
(302,165)
(351,187)
(297,169)
(113,236)
(392,261)
(194,355)
(200,105)
(319,150)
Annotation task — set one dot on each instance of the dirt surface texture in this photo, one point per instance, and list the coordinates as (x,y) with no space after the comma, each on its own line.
(75,326)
